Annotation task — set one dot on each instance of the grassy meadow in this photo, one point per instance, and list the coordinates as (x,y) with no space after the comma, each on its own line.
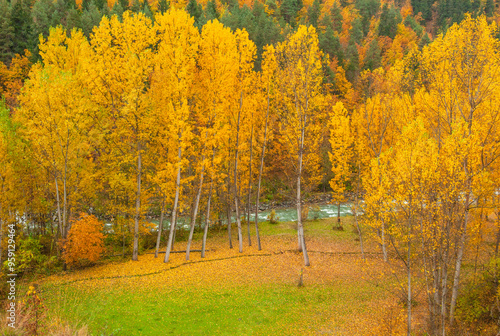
(232,293)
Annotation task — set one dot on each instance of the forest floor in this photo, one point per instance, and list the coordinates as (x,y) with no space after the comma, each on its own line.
(232,293)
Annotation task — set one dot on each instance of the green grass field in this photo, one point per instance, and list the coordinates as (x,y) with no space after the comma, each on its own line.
(228,293)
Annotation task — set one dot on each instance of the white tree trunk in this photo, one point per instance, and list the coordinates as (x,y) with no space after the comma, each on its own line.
(195,212)
(300,228)
(260,174)
(458,265)
(160,227)
(207,221)
(236,196)
(59,217)
(249,187)
(174,210)
(135,253)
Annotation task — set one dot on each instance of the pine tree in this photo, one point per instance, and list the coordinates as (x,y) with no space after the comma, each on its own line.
(59,14)
(22,23)
(367,9)
(389,20)
(313,13)
(72,19)
(289,10)
(6,33)
(424,7)
(136,6)
(336,17)
(147,10)
(42,17)
(211,12)
(90,18)
(117,9)
(163,6)
(329,43)
(124,5)
(373,56)
(196,11)
(489,8)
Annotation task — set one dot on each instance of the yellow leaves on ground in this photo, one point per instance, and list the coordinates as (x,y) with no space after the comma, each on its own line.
(279,262)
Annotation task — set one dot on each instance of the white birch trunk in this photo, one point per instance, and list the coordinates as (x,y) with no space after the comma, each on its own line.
(195,212)
(174,210)
(207,221)
(135,253)
(160,227)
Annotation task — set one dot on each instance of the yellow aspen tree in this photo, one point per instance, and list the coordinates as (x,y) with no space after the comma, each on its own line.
(341,142)
(342,153)
(216,98)
(267,80)
(459,98)
(299,78)
(9,171)
(118,78)
(54,110)
(377,124)
(404,175)
(246,51)
(171,93)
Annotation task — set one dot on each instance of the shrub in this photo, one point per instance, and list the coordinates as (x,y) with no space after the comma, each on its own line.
(478,305)
(85,242)
(30,258)
(273,219)
(316,211)
(29,255)
(32,319)
(305,212)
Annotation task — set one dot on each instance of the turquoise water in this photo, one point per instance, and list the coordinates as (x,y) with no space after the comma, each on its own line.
(284,215)
(323,211)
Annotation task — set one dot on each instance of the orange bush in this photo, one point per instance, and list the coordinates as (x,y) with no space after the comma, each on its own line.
(85,241)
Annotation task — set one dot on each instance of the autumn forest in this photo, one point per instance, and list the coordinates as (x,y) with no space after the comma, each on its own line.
(120,119)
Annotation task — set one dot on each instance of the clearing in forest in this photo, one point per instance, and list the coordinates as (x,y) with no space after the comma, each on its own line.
(232,293)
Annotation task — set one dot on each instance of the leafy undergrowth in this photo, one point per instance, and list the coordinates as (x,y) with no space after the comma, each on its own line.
(228,293)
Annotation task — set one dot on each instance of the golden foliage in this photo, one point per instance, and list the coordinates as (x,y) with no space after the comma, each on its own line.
(85,242)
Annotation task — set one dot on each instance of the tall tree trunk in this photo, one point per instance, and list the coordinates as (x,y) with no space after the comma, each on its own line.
(356,200)
(160,226)
(195,212)
(207,220)
(249,187)
(381,232)
(65,199)
(135,253)
(174,227)
(65,208)
(384,248)
(260,172)
(444,287)
(228,198)
(174,210)
(236,196)
(238,221)
(338,213)
(229,210)
(123,241)
(497,244)
(458,264)
(408,265)
(59,217)
(300,228)
(1,237)
(61,228)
